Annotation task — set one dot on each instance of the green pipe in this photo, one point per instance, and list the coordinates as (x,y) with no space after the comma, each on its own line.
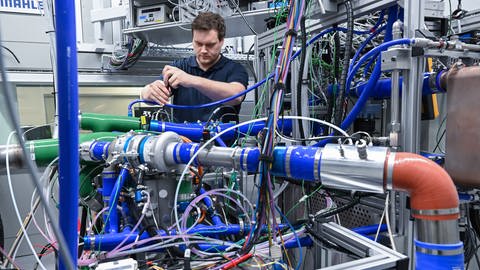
(105,122)
(46,150)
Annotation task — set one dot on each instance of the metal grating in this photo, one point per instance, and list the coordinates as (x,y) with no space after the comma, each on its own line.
(368,212)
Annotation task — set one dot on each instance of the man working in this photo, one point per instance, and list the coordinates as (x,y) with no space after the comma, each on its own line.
(205,77)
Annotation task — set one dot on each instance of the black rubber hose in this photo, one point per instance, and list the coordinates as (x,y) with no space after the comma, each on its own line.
(300,77)
(339,104)
(336,75)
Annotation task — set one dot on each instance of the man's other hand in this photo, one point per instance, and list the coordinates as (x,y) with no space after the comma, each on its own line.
(175,77)
(157,91)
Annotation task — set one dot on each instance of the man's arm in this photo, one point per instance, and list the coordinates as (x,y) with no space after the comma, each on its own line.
(215,90)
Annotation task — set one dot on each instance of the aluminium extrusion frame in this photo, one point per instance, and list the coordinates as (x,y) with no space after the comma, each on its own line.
(375,255)
(322,22)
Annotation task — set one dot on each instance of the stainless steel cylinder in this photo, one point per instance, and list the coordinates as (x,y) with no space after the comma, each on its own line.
(343,168)
(437,231)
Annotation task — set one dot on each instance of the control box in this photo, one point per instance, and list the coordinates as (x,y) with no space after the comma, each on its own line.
(152,15)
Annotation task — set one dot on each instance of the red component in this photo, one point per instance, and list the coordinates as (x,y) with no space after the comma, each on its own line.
(237,261)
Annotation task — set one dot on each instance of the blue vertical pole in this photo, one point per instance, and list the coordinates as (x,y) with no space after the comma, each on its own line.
(68,124)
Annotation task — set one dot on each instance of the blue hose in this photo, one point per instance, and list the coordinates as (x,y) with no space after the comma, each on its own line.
(68,126)
(112,218)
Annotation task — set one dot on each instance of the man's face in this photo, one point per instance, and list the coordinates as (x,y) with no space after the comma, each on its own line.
(206,46)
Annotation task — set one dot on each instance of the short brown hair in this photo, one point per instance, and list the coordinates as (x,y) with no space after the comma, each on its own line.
(207,21)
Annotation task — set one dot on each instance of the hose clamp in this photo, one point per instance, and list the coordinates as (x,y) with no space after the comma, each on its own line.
(316,165)
(436,212)
(287,161)
(440,252)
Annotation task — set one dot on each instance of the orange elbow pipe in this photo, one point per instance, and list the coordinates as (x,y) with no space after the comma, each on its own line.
(430,186)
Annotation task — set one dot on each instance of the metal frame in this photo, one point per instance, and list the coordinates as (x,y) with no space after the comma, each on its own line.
(376,256)
(322,22)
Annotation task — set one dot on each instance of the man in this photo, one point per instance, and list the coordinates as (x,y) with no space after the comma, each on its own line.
(205,77)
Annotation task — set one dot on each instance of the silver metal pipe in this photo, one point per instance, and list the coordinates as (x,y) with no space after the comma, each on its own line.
(437,231)
(343,168)
(15,157)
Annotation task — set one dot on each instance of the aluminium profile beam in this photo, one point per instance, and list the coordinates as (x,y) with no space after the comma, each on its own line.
(376,256)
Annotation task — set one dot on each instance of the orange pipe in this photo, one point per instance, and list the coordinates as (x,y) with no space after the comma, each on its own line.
(430,186)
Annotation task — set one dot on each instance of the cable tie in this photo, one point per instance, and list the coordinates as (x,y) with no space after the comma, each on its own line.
(266,158)
(291,32)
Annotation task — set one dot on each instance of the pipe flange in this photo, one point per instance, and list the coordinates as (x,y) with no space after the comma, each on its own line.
(132,152)
(390,163)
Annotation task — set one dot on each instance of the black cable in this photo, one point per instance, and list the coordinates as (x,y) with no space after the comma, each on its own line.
(340,209)
(32,168)
(251,66)
(340,102)
(10,51)
(439,141)
(336,71)
(243,17)
(83,230)
(300,77)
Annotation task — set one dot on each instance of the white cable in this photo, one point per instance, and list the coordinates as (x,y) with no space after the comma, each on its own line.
(387,219)
(14,201)
(185,170)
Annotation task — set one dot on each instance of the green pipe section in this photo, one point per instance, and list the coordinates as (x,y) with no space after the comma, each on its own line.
(105,122)
(46,150)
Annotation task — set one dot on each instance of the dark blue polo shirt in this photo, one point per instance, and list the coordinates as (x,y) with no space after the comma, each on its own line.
(225,70)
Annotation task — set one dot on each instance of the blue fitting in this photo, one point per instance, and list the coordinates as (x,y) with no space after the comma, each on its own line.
(138,196)
(185,152)
(209,203)
(99,150)
(252,158)
(297,162)
(435,261)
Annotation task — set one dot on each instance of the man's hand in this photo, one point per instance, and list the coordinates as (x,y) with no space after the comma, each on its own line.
(174,77)
(157,91)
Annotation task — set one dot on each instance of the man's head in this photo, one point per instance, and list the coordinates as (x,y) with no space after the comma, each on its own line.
(208,31)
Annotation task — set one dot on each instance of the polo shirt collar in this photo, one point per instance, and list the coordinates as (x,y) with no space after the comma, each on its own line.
(192,61)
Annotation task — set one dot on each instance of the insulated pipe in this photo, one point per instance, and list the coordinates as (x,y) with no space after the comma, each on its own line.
(68,126)
(434,202)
